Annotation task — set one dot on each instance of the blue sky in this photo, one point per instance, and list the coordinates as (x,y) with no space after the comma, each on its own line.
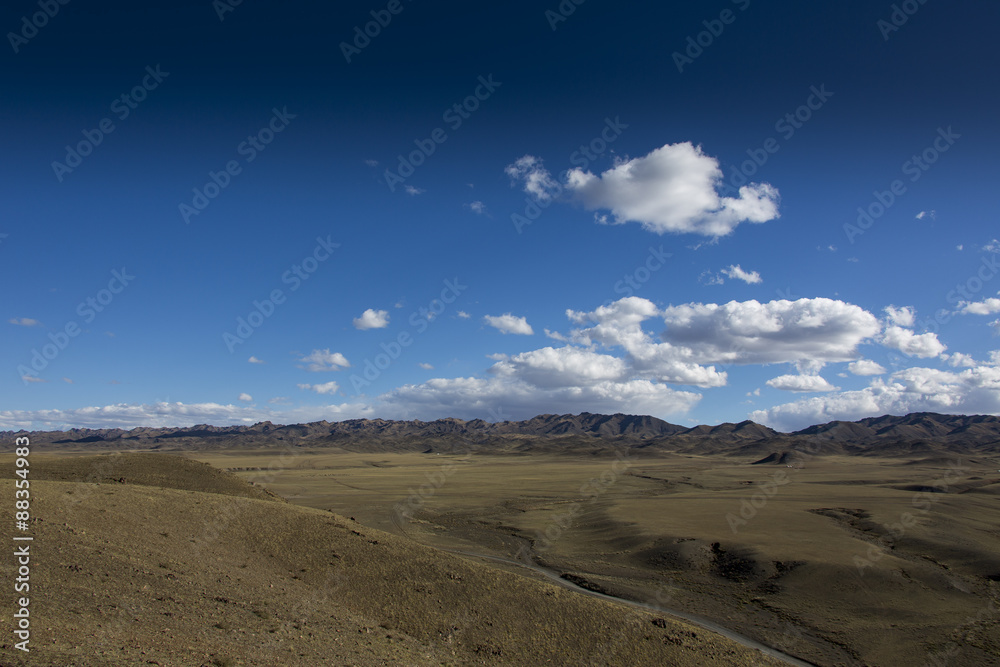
(225,214)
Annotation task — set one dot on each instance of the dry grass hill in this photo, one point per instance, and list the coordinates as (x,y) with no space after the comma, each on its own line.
(159,560)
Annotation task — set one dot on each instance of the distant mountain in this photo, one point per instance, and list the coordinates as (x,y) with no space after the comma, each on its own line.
(918,433)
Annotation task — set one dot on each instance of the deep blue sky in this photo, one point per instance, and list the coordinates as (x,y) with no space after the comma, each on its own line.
(804,336)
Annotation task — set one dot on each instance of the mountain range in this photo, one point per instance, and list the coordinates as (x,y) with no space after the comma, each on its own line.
(586,432)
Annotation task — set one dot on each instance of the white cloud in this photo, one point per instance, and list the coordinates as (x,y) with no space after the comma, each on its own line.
(984,307)
(912,345)
(477,207)
(67,381)
(323,360)
(960,247)
(255,360)
(165,414)
(672,189)
(371,163)
(32,378)
(246,398)
(426,366)
(710,279)
(972,391)
(801,383)
(755,392)
(325,388)
(993,246)
(372,319)
(537,180)
(903,317)
(561,367)
(413,191)
(736,273)
(24,322)
(470,398)
(816,330)
(509,324)
(926,214)
(463,315)
(958,359)
(555,335)
(865,367)
(279,400)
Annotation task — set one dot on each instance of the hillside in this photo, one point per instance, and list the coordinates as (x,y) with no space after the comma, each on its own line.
(141,570)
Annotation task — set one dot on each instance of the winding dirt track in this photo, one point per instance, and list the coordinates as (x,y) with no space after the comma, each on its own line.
(528,563)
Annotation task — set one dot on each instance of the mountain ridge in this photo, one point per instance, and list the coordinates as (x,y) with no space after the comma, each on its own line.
(585,429)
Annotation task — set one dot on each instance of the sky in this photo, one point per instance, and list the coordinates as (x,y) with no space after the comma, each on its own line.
(229,212)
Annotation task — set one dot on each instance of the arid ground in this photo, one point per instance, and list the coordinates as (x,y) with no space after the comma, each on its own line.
(521,550)
(837,560)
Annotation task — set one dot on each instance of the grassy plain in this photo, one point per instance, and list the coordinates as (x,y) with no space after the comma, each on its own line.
(839,560)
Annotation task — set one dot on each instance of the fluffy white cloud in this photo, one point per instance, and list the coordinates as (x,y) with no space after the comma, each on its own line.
(323,360)
(24,322)
(246,398)
(972,391)
(372,319)
(801,383)
(911,344)
(509,324)
(561,367)
(672,189)
(426,366)
(537,180)
(903,317)
(413,191)
(736,273)
(463,315)
(325,388)
(255,360)
(984,307)
(470,398)
(748,332)
(958,359)
(865,367)
(807,332)
(477,207)
(175,414)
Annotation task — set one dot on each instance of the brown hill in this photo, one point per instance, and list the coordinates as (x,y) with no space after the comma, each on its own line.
(146,572)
